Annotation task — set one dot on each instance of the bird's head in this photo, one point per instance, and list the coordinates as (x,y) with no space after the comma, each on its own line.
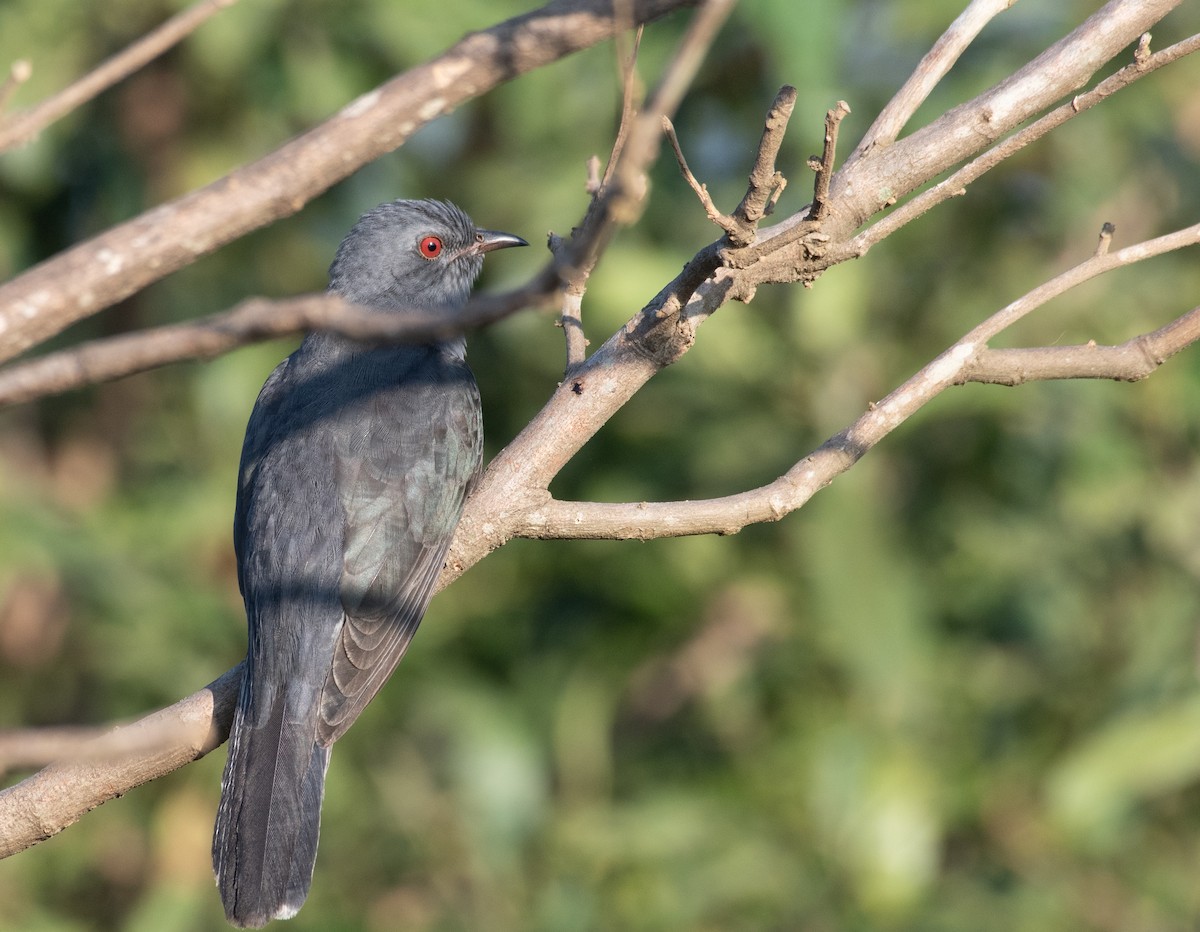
(423,255)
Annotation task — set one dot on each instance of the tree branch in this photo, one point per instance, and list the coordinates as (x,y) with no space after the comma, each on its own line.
(513,497)
(252,321)
(960,363)
(956,184)
(59,795)
(107,268)
(932,68)
(824,165)
(886,174)
(56,797)
(24,125)
(1130,361)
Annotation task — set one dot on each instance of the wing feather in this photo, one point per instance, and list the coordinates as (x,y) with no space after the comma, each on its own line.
(404,464)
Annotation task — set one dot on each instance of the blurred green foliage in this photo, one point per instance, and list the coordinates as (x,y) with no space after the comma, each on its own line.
(957,691)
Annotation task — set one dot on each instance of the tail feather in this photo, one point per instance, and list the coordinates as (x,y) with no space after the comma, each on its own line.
(269,819)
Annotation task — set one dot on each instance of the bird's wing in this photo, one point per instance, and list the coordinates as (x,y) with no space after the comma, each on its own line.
(259,434)
(404,464)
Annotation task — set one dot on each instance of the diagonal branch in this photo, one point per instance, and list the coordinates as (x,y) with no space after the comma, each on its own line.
(252,321)
(59,795)
(548,518)
(24,125)
(41,806)
(101,271)
(956,184)
(1130,361)
(929,71)
(886,174)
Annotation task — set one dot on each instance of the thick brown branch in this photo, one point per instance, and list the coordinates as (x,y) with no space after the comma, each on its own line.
(121,261)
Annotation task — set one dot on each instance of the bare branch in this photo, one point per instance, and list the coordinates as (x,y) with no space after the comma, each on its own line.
(629,105)
(932,68)
(824,166)
(18,74)
(766,183)
(575,276)
(97,273)
(879,178)
(547,518)
(724,221)
(24,125)
(252,321)
(513,499)
(56,797)
(1130,361)
(956,184)
(623,189)
(22,749)
(571,321)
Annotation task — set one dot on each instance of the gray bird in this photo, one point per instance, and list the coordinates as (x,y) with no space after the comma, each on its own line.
(355,466)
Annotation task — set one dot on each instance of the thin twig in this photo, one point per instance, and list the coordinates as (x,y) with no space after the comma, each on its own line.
(929,71)
(575,276)
(765,183)
(18,74)
(629,92)
(627,190)
(624,189)
(820,203)
(956,184)
(24,125)
(251,321)
(724,221)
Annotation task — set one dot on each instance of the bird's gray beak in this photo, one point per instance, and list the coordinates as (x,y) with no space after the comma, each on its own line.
(487,240)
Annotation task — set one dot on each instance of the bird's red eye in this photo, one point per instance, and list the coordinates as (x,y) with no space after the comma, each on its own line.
(431,247)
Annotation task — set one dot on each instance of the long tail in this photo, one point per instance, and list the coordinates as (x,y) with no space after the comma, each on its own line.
(265,841)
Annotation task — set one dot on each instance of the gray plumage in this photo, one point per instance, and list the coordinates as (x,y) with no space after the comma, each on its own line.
(355,467)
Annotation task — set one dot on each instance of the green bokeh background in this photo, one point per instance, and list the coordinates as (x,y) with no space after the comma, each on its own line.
(957,691)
